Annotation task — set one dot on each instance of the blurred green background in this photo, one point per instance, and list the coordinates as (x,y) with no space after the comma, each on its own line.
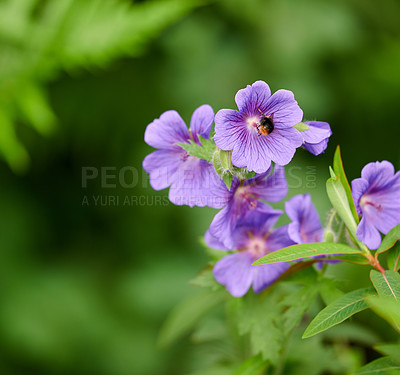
(86,287)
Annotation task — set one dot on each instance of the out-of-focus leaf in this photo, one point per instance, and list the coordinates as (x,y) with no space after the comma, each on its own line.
(388,308)
(329,290)
(298,303)
(38,39)
(381,366)
(338,311)
(186,315)
(390,350)
(253,366)
(308,250)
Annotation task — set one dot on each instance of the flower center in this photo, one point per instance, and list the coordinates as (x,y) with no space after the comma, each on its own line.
(243,194)
(264,124)
(365,202)
(257,247)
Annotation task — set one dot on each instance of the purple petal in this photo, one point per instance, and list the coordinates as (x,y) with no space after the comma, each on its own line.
(368,234)
(317,148)
(214,242)
(317,132)
(193,185)
(223,224)
(283,109)
(201,121)
(164,132)
(249,151)
(316,138)
(272,188)
(235,272)
(280,146)
(264,275)
(229,125)
(279,239)
(358,187)
(306,226)
(253,97)
(162,165)
(378,173)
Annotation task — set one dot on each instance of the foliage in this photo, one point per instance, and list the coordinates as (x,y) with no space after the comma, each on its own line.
(39,39)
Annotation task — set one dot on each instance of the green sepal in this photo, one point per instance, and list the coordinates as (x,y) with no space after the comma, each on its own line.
(205,151)
(302,127)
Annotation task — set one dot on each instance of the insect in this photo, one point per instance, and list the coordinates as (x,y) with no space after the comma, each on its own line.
(266,125)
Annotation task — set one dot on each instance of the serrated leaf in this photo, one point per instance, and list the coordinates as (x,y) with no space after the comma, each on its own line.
(381,366)
(309,250)
(204,151)
(299,303)
(186,315)
(338,311)
(252,366)
(390,240)
(339,171)
(387,284)
(393,257)
(260,319)
(301,127)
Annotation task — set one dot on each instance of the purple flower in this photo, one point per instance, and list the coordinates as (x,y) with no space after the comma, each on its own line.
(242,200)
(253,239)
(377,198)
(316,137)
(190,179)
(305,226)
(263,129)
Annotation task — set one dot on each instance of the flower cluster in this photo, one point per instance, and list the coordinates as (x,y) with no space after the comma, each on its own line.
(267,128)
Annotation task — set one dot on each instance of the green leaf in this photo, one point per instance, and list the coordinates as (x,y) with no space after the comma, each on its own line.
(391,350)
(339,171)
(338,311)
(307,250)
(387,284)
(205,151)
(298,303)
(260,319)
(252,366)
(381,366)
(338,197)
(301,127)
(393,257)
(353,258)
(387,308)
(390,240)
(329,291)
(186,315)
